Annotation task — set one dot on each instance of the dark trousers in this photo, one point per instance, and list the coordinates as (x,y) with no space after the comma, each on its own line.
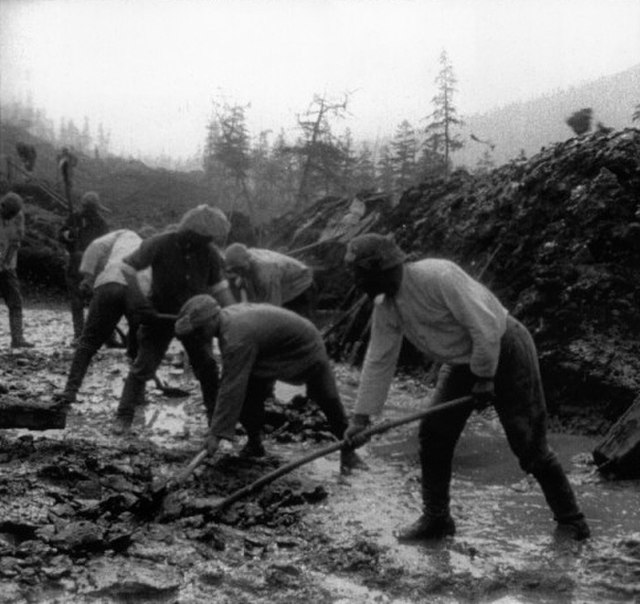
(520,404)
(153,342)
(10,289)
(321,388)
(76,301)
(109,304)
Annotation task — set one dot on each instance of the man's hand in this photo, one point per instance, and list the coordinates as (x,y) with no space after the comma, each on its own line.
(86,289)
(213,443)
(353,434)
(483,392)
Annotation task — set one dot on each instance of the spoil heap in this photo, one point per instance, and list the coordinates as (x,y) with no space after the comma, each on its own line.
(557,238)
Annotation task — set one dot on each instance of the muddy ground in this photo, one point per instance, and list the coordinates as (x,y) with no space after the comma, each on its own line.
(70,530)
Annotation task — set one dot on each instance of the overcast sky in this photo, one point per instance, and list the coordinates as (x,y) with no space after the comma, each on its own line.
(148,69)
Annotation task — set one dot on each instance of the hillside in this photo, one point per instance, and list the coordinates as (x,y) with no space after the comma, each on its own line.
(556,237)
(539,122)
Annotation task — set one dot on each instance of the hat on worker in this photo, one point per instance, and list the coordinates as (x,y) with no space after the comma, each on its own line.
(91,201)
(208,222)
(10,205)
(237,256)
(195,313)
(374,252)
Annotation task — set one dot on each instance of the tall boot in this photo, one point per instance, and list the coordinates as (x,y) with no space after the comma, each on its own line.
(560,497)
(15,326)
(436,521)
(132,396)
(79,366)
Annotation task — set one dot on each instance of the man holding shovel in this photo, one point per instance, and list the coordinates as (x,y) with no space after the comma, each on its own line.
(454,319)
(184,263)
(261,343)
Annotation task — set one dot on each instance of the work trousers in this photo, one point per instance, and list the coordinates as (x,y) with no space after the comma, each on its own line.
(108,305)
(10,289)
(520,404)
(153,342)
(76,300)
(320,386)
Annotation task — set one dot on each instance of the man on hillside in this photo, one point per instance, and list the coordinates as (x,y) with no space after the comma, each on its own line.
(184,263)
(267,276)
(80,229)
(104,283)
(453,319)
(11,235)
(259,344)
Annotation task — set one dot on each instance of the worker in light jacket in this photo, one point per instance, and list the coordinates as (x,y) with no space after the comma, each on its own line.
(267,276)
(454,319)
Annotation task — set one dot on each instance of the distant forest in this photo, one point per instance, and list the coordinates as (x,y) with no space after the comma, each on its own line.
(267,175)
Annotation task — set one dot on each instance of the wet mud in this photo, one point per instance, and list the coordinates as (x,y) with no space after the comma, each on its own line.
(71,529)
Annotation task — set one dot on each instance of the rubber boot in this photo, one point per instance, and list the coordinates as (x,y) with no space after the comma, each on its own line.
(436,521)
(79,366)
(253,448)
(561,499)
(15,326)
(132,397)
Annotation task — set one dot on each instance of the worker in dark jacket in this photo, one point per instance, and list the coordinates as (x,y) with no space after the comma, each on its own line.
(184,263)
(80,229)
(453,319)
(261,343)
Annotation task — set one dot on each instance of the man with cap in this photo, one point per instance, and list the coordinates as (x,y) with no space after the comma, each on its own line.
(267,276)
(104,283)
(454,319)
(184,263)
(259,344)
(80,229)
(11,235)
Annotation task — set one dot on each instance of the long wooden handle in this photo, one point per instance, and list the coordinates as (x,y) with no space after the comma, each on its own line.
(377,429)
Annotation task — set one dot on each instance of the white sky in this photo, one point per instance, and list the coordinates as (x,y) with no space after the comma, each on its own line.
(148,69)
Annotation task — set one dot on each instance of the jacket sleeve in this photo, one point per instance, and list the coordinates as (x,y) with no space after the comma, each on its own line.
(380,361)
(237,362)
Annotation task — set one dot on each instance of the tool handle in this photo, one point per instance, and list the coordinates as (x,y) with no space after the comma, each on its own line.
(377,429)
(193,464)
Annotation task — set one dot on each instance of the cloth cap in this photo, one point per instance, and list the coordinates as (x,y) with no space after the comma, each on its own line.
(208,222)
(91,201)
(195,313)
(237,256)
(374,252)
(10,205)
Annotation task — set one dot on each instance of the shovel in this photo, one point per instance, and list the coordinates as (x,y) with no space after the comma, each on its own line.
(220,504)
(151,501)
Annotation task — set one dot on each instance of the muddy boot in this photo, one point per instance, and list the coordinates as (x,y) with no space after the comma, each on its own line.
(427,527)
(350,461)
(561,499)
(79,366)
(436,521)
(15,326)
(132,397)
(253,449)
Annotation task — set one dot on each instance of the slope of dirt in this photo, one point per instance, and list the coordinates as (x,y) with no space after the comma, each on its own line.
(556,238)
(70,529)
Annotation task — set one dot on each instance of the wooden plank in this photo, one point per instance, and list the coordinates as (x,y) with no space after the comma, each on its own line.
(32,415)
(619,451)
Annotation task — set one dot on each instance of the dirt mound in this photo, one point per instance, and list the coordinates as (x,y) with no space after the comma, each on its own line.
(556,238)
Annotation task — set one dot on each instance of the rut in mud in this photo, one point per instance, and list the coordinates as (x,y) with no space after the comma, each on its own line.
(70,531)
